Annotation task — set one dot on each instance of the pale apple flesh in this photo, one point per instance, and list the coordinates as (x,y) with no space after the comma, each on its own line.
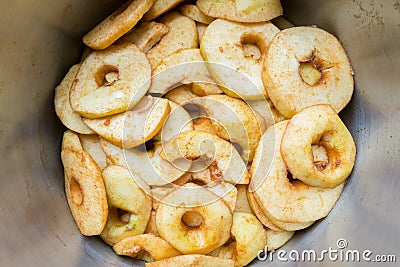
(147,167)
(193,145)
(125,194)
(135,126)
(238,123)
(183,67)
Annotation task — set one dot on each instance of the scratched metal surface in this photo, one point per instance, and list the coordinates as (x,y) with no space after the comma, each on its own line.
(41,39)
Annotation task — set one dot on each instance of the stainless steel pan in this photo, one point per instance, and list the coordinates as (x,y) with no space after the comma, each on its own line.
(40,39)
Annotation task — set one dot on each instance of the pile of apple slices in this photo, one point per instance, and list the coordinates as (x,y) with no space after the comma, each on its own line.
(200,134)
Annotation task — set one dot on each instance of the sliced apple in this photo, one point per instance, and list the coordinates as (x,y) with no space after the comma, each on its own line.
(193,12)
(276,240)
(241,10)
(135,126)
(201,173)
(125,194)
(117,24)
(204,89)
(249,235)
(237,121)
(182,35)
(71,141)
(267,111)
(255,207)
(156,247)
(242,203)
(204,124)
(227,192)
(195,144)
(225,252)
(146,36)
(180,94)
(84,186)
(193,219)
(279,198)
(62,105)
(147,167)
(158,193)
(93,96)
(270,222)
(178,121)
(201,28)
(91,144)
(182,67)
(197,260)
(151,227)
(186,178)
(160,7)
(222,46)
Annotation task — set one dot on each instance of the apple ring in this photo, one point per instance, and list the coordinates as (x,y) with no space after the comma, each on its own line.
(62,105)
(204,124)
(124,194)
(276,240)
(178,121)
(146,246)
(271,223)
(134,127)
(182,34)
(94,95)
(84,186)
(200,223)
(146,166)
(193,145)
(249,235)
(222,47)
(241,10)
(180,94)
(91,144)
(160,7)
(234,121)
(305,66)
(278,197)
(151,227)
(117,24)
(146,36)
(193,12)
(242,203)
(318,125)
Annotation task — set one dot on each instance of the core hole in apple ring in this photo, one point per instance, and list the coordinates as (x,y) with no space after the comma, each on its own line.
(124,216)
(192,219)
(310,64)
(318,148)
(321,157)
(76,191)
(312,70)
(106,75)
(309,74)
(253,46)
